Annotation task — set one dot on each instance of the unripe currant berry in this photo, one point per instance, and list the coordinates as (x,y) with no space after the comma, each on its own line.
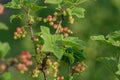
(69,31)
(77,68)
(44,20)
(35,39)
(66,34)
(55,13)
(55,75)
(2,67)
(35,72)
(49,62)
(54,19)
(64,13)
(70,17)
(49,18)
(39,19)
(40,47)
(15,33)
(55,63)
(51,23)
(47,72)
(23,35)
(1,9)
(55,26)
(71,21)
(15,37)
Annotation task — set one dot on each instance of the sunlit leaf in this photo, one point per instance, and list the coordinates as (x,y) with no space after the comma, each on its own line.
(3,26)
(4,48)
(79,12)
(53,1)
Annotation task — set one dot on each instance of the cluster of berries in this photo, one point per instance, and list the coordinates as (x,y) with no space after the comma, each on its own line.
(24,61)
(80,67)
(35,72)
(1,9)
(20,32)
(55,24)
(54,66)
(60,78)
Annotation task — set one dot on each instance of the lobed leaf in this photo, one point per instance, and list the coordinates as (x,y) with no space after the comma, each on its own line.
(79,12)
(51,42)
(73,41)
(14,4)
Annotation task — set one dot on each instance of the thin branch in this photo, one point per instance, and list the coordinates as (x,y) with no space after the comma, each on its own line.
(58,28)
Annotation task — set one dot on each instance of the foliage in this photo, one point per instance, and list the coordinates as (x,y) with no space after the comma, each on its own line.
(112,39)
(51,47)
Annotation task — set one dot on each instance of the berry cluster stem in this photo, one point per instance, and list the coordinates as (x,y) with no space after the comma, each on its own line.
(32,35)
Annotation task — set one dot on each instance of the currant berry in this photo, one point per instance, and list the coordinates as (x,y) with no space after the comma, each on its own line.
(22,67)
(15,34)
(55,26)
(66,34)
(71,21)
(64,13)
(61,29)
(45,20)
(65,29)
(55,13)
(2,67)
(51,23)
(1,9)
(35,72)
(61,77)
(54,19)
(18,30)
(49,18)
(47,72)
(29,63)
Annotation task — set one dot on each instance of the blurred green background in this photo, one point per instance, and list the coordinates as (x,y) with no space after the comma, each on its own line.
(101,18)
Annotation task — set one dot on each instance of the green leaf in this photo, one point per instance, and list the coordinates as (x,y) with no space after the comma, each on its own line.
(109,40)
(70,57)
(79,12)
(68,3)
(114,35)
(53,1)
(20,16)
(14,4)
(44,29)
(99,37)
(4,48)
(51,42)
(34,6)
(6,76)
(118,72)
(3,26)
(73,41)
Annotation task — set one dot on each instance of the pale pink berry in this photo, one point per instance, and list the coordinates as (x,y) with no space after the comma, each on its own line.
(1,9)
(66,34)
(55,26)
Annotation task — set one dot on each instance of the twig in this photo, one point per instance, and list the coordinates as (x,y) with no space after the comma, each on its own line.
(58,28)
